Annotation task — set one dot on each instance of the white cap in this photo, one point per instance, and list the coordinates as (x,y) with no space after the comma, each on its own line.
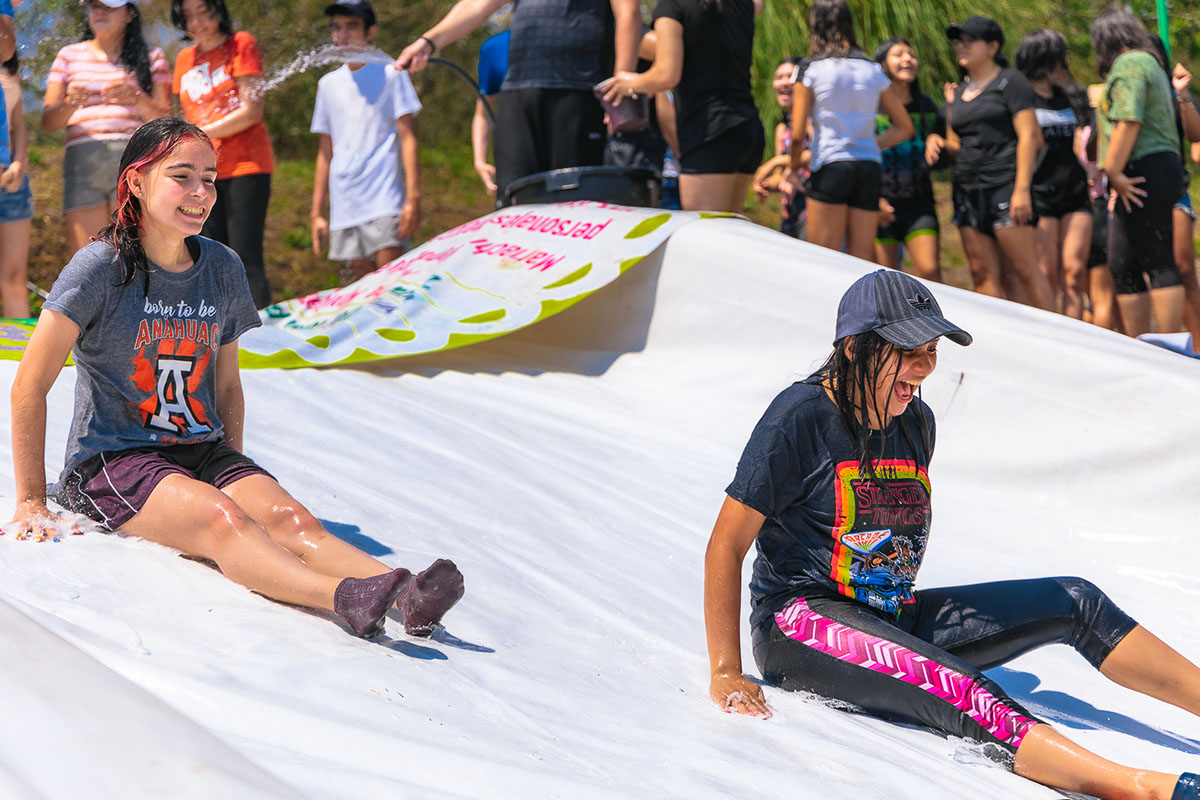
(111,3)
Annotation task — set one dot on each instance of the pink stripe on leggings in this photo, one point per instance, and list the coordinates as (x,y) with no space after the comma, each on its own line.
(799,622)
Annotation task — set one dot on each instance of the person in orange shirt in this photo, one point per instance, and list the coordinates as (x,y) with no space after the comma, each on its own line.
(219,85)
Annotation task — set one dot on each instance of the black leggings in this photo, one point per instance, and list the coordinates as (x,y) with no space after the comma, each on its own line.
(925,668)
(238,220)
(1140,240)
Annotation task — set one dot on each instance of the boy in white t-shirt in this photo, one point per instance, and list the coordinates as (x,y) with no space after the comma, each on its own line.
(367,156)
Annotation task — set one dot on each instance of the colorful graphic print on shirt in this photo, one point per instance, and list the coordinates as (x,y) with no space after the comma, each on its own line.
(879,533)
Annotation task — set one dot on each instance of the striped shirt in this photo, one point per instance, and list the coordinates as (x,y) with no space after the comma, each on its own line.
(80,64)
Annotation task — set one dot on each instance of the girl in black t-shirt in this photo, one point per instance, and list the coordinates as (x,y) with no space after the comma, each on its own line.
(1060,187)
(833,488)
(993,133)
(907,213)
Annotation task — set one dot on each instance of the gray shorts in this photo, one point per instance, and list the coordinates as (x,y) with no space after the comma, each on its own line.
(364,241)
(90,170)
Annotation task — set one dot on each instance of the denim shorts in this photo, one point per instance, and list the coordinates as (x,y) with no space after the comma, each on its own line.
(17,206)
(90,170)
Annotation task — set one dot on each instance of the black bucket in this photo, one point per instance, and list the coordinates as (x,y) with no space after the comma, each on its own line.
(626,186)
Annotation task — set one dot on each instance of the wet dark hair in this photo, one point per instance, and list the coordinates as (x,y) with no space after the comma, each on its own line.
(217,7)
(13,65)
(1113,32)
(851,371)
(831,29)
(1040,53)
(149,144)
(1077,96)
(135,55)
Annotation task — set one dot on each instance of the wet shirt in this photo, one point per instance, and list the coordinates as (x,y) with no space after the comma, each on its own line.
(208,92)
(905,173)
(987,157)
(560,44)
(829,531)
(146,359)
(1137,90)
(714,94)
(1058,172)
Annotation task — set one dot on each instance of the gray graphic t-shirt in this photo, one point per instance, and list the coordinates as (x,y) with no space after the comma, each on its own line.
(146,355)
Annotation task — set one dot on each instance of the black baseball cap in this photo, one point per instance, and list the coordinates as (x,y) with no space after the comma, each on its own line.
(896,306)
(984,28)
(353,8)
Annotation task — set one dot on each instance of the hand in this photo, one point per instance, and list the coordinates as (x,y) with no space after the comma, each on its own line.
(10,181)
(948,90)
(410,220)
(32,520)
(1020,206)
(1125,189)
(619,87)
(736,694)
(487,174)
(122,93)
(78,96)
(415,57)
(1181,79)
(887,212)
(933,148)
(320,234)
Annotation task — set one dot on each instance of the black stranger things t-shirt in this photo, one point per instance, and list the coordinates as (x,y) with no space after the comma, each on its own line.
(713,95)
(987,157)
(829,531)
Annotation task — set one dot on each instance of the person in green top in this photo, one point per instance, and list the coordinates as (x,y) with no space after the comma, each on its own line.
(1140,155)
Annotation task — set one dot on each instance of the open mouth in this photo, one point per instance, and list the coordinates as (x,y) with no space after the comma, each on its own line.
(904,391)
(196,212)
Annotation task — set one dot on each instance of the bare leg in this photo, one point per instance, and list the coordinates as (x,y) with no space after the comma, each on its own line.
(361,267)
(1046,247)
(293,527)
(1135,312)
(1168,305)
(983,256)
(714,192)
(1017,241)
(14,267)
(860,233)
(887,254)
(1074,244)
(827,223)
(1143,662)
(1104,299)
(84,223)
(924,251)
(1185,260)
(1048,757)
(197,519)
(387,255)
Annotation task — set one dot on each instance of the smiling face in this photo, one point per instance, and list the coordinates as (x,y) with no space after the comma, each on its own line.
(782,84)
(105,22)
(177,193)
(201,24)
(899,377)
(901,63)
(350,31)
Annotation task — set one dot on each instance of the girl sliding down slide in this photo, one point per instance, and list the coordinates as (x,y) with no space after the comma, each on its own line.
(833,488)
(153,312)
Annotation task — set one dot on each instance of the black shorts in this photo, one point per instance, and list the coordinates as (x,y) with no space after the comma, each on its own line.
(1098,256)
(857,184)
(1140,241)
(111,487)
(737,150)
(1058,204)
(925,668)
(912,219)
(544,129)
(985,209)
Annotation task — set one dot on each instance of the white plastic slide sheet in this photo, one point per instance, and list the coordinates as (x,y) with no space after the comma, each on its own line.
(573,470)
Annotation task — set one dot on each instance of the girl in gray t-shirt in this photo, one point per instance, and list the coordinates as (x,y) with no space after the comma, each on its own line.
(152,313)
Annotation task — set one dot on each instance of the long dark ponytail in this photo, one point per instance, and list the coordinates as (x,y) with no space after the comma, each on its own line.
(851,373)
(135,55)
(149,144)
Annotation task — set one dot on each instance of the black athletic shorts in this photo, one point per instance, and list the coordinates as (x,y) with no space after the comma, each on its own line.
(857,184)
(1058,204)
(1098,255)
(544,129)
(737,150)
(912,219)
(985,209)
(925,668)
(1140,241)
